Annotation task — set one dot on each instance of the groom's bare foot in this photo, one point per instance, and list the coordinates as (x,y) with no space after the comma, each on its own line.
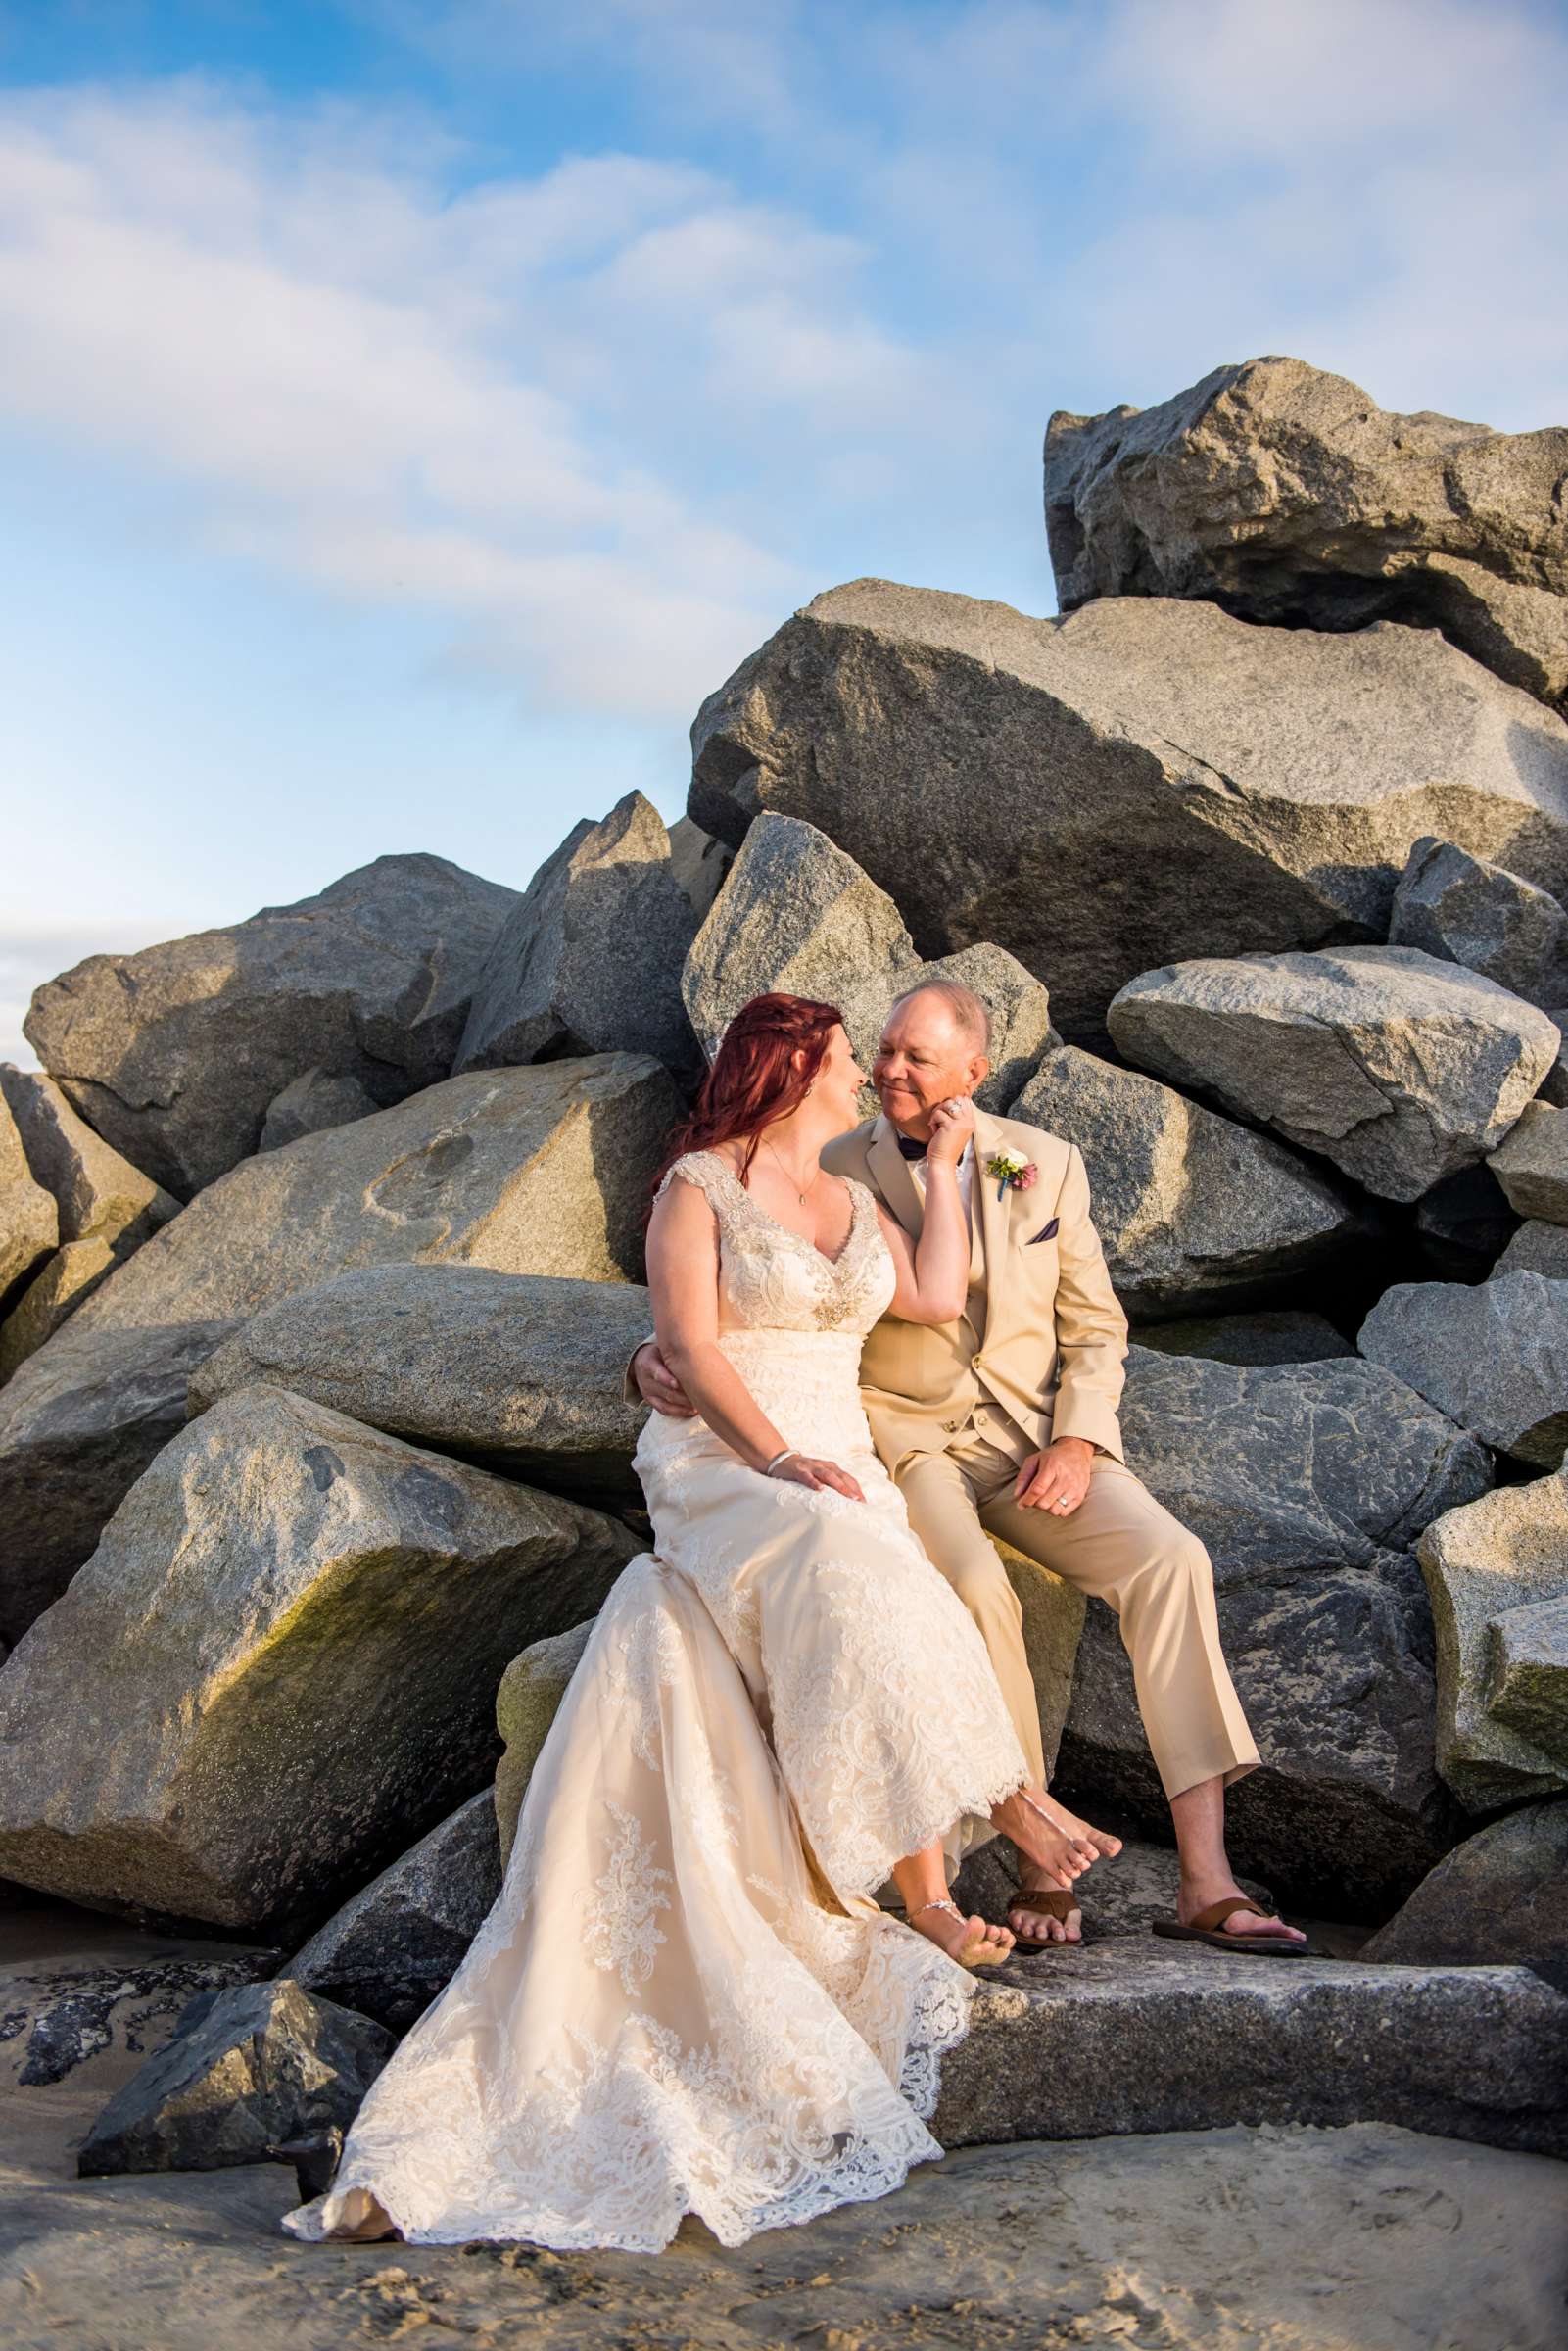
(1194,1897)
(1057,1854)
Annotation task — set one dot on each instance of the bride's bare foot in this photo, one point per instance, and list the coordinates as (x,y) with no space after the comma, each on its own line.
(1058,1854)
(363,2221)
(1105,1845)
(973,1941)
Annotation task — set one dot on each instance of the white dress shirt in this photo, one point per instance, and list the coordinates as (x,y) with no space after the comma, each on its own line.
(965,1180)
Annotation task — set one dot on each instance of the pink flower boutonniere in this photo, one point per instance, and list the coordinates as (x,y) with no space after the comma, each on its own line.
(1012,1174)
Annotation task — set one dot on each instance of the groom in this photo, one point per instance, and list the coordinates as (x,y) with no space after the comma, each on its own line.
(1006,1422)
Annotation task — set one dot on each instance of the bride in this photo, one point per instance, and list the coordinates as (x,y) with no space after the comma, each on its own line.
(686,1999)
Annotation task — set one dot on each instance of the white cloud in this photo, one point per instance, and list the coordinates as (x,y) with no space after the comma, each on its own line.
(438,398)
(610,422)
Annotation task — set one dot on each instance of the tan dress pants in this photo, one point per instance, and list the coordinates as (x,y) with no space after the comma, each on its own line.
(1120,1546)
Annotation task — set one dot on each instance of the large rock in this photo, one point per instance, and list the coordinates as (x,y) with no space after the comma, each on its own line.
(1536,1248)
(174,1054)
(315,1099)
(1494,1356)
(698,862)
(589,960)
(29,1220)
(247,2071)
(105,1206)
(1530,1162)
(1307,1483)
(800,917)
(60,2018)
(520,1372)
(278,1667)
(67,1276)
(1288,1337)
(1483,1562)
(527,1703)
(542,1169)
(1287,495)
(99,1195)
(398,1942)
(1194,1212)
(1499,1898)
(1464,909)
(1528,1691)
(1135,784)
(80,1422)
(1554,1085)
(533,1170)
(1398,1067)
(1135,2035)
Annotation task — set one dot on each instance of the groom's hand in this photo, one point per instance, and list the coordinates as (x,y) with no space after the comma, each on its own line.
(658,1384)
(1056,1479)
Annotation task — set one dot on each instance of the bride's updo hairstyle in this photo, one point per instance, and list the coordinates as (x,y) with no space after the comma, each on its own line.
(754,1079)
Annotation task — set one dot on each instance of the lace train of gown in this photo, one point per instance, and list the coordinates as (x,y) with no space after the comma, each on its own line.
(684,1998)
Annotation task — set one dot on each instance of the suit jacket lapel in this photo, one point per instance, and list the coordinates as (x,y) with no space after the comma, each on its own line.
(891,1170)
(989,1223)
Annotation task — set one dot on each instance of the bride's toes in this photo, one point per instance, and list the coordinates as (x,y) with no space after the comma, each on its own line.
(363,2221)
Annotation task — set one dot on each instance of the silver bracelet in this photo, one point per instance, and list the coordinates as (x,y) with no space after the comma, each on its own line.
(789,1454)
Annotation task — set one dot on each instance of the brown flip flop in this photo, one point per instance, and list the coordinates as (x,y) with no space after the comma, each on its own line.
(1055,1902)
(1207,1927)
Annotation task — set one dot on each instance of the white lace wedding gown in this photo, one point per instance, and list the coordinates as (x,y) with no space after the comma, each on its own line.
(684,1998)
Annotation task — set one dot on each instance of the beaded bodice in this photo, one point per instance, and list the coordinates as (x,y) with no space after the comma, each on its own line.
(772,1278)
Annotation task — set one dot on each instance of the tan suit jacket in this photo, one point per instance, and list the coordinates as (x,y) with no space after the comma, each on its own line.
(1043,1335)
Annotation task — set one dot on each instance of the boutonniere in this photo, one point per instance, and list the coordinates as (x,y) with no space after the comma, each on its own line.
(1011,1173)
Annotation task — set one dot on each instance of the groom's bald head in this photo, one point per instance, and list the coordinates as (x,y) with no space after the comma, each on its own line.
(934,1044)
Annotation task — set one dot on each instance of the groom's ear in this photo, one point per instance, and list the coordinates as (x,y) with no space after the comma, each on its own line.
(979,1071)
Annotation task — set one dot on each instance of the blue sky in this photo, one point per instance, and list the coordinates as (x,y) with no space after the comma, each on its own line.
(411,410)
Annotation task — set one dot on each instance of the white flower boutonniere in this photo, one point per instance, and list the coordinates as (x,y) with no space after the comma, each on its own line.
(1011,1173)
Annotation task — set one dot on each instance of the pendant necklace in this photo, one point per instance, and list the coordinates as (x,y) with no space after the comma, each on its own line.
(793,1180)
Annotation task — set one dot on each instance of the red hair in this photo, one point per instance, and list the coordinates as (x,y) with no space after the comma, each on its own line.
(754,1079)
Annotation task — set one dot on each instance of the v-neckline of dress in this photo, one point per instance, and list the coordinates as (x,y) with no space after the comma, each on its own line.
(833,1263)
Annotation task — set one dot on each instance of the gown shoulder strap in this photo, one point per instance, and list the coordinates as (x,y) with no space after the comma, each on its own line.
(710,1175)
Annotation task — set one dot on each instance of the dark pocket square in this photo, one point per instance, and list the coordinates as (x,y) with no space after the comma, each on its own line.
(1045,1234)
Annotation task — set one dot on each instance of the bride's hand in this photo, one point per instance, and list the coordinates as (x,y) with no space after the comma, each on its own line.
(952,1126)
(805,1470)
